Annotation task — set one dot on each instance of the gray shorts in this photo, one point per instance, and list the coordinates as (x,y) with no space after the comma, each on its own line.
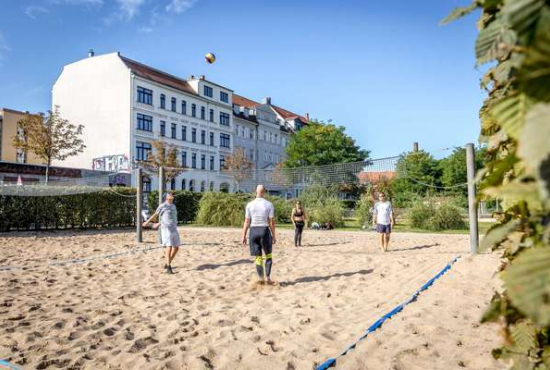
(383,229)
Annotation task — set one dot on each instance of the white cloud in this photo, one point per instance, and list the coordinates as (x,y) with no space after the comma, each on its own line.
(32,10)
(4,48)
(179,6)
(129,8)
(78,2)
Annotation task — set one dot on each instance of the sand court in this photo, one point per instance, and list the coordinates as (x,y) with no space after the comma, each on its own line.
(124,312)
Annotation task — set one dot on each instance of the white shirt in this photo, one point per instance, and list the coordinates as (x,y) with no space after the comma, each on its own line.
(382,212)
(259,211)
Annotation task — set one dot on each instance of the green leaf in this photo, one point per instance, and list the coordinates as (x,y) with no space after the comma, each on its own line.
(528,284)
(493,40)
(510,114)
(534,146)
(516,191)
(522,15)
(459,12)
(524,336)
(534,74)
(493,312)
(497,234)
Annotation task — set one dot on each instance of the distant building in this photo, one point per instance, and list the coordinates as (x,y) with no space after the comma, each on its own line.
(9,128)
(375,177)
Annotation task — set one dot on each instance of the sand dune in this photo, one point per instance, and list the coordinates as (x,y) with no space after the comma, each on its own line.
(125,313)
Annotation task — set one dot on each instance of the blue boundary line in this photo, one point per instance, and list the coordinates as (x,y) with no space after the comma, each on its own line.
(332,361)
(80,260)
(6,365)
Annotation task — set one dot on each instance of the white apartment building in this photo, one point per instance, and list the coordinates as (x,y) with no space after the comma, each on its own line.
(125,105)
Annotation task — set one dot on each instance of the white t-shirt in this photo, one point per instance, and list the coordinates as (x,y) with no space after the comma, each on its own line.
(259,211)
(382,212)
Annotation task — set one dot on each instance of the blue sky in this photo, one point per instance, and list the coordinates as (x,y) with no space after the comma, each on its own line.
(385,70)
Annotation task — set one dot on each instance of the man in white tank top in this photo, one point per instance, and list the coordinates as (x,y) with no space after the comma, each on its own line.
(260,219)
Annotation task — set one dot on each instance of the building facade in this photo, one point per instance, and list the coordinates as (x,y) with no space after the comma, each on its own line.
(9,128)
(125,106)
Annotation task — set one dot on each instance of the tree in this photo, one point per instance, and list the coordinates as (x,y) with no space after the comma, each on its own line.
(321,144)
(453,169)
(49,138)
(238,166)
(417,173)
(166,156)
(515,125)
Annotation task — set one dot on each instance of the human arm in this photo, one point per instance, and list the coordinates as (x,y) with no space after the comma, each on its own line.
(150,219)
(374,214)
(246,226)
(392,220)
(272,229)
(292,217)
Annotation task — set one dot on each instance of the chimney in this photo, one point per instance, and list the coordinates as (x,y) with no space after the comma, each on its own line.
(415,147)
(266,100)
(192,77)
(202,77)
(91,53)
(307,116)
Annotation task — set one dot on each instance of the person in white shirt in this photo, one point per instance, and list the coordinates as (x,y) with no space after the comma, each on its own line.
(260,219)
(383,219)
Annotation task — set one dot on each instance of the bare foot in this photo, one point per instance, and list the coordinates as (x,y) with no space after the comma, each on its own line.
(271,282)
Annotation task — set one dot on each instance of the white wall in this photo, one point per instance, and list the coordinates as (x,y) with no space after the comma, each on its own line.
(95,92)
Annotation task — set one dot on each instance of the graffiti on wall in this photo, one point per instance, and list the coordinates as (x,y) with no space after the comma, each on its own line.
(112,163)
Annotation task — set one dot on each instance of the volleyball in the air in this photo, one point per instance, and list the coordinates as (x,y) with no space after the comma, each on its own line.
(210,58)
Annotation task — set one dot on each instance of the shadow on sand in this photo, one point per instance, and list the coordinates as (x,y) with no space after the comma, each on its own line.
(212,266)
(418,247)
(310,279)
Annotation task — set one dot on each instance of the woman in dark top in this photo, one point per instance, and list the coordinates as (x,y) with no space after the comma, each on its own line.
(299,219)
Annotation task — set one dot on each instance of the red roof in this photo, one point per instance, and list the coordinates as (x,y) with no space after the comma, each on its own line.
(155,75)
(288,114)
(241,101)
(375,177)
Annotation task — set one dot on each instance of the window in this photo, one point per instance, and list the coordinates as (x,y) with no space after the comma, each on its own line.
(224,97)
(146,184)
(142,151)
(237,130)
(174,130)
(225,140)
(276,139)
(252,134)
(183,184)
(173,104)
(194,135)
(194,160)
(173,184)
(20,156)
(183,107)
(184,160)
(252,155)
(203,162)
(211,139)
(242,131)
(203,186)
(162,101)
(162,128)
(145,96)
(192,185)
(211,115)
(208,91)
(224,119)
(193,110)
(144,122)
(203,113)
(211,163)
(203,137)
(222,162)
(211,185)
(270,137)
(224,187)
(184,133)
(265,135)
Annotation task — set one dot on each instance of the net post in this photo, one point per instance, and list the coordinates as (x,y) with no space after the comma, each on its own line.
(161,183)
(139,182)
(472,207)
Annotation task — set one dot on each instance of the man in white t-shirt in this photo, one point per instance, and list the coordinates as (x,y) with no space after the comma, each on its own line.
(383,219)
(260,219)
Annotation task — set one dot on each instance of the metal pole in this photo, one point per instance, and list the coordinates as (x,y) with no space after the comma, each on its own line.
(161,183)
(139,185)
(472,207)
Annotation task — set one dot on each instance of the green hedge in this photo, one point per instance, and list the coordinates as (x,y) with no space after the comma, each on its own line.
(89,210)
(187,204)
(436,216)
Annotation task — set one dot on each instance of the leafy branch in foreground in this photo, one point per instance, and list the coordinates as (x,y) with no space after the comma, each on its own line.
(515,124)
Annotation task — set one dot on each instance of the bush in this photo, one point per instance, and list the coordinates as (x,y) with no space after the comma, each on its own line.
(186,202)
(88,210)
(429,215)
(222,209)
(322,205)
(283,208)
(363,210)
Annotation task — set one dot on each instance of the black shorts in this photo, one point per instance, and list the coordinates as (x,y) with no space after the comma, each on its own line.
(260,240)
